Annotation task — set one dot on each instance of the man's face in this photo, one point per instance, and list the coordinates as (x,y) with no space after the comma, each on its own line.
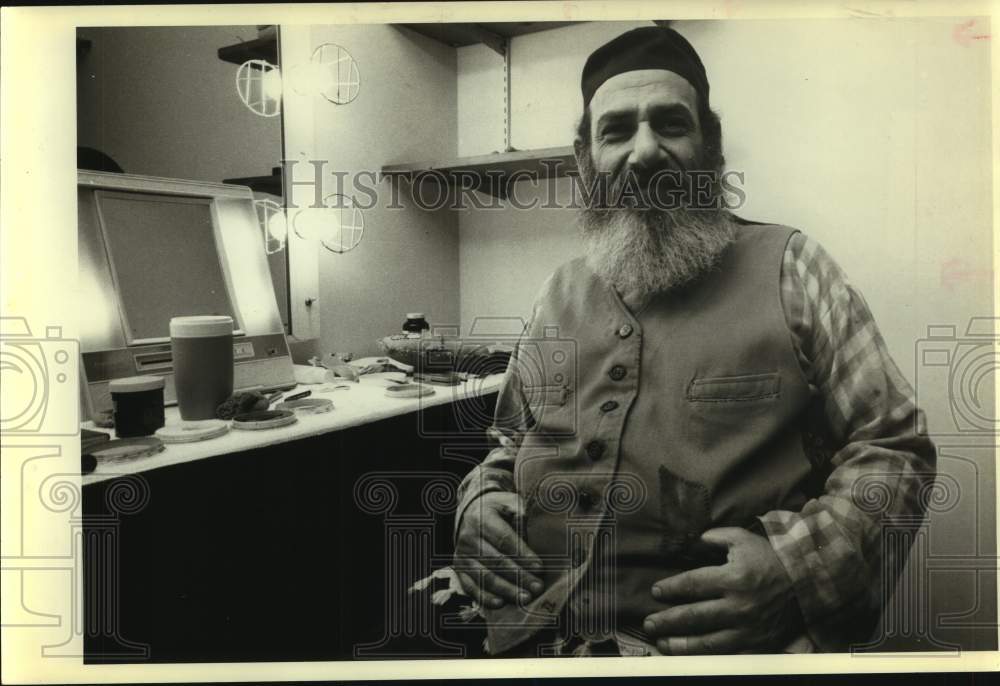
(645,121)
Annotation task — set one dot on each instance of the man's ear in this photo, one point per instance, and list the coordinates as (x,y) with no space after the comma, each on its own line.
(581,145)
(579,149)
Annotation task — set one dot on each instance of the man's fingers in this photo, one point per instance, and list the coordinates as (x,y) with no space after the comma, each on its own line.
(725,536)
(481,596)
(695,584)
(726,641)
(505,540)
(508,568)
(692,619)
(485,580)
(500,537)
(495,584)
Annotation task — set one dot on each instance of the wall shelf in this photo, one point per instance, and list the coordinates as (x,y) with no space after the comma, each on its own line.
(493,34)
(262,184)
(491,173)
(257,49)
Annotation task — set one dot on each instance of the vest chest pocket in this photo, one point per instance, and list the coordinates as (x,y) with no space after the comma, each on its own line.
(546,395)
(734,389)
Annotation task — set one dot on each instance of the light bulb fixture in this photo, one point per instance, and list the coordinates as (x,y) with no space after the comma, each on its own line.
(347,229)
(338,79)
(273,224)
(277,227)
(307,223)
(330,72)
(338,225)
(258,83)
(271,84)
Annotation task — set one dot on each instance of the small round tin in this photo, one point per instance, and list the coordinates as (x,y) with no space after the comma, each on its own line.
(138,402)
(264,419)
(193,431)
(307,405)
(409,390)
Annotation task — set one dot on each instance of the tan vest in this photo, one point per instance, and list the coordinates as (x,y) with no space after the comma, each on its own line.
(650,429)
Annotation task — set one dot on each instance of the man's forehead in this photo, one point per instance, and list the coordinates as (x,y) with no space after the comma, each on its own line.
(644,85)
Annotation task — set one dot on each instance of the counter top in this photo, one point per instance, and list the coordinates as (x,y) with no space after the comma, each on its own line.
(361,403)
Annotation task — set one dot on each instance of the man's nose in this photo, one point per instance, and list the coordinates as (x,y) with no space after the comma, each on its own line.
(647,154)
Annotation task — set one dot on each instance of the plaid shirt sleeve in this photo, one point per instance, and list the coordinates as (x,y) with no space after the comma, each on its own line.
(881,464)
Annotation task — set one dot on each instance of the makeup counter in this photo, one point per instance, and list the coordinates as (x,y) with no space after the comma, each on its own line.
(354,404)
(292,543)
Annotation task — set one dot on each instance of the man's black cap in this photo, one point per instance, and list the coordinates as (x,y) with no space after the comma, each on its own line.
(649,47)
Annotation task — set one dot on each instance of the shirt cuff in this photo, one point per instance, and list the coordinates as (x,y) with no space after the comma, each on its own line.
(468,500)
(828,578)
(480,482)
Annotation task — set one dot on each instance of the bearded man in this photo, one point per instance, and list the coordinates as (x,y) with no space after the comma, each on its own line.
(692,425)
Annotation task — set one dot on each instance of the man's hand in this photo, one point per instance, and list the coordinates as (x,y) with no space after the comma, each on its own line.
(492,561)
(744,605)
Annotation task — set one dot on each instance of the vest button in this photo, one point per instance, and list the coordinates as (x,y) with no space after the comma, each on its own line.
(595,449)
(618,372)
(609,405)
(625,331)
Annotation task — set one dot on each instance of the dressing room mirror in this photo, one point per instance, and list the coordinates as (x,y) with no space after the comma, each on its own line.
(200,103)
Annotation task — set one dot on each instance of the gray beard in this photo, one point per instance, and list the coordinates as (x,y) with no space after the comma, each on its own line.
(642,253)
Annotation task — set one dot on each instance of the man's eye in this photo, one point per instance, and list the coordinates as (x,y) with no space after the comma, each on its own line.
(615,131)
(674,127)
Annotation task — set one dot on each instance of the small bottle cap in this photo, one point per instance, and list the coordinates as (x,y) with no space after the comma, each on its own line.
(202,326)
(414,315)
(136,384)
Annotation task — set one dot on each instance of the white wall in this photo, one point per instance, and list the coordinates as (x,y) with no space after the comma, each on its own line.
(405,111)
(872,136)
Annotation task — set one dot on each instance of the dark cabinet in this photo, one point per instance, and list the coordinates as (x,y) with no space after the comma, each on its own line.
(299,551)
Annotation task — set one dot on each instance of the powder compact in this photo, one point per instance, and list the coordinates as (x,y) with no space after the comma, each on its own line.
(264,419)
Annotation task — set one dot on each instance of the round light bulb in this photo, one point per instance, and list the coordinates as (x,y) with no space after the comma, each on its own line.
(271,84)
(308,223)
(258,83)
(277,227)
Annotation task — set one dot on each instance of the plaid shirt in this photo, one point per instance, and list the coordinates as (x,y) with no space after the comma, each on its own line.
(882,466)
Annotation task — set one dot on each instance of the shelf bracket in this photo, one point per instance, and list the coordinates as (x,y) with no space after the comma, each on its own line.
(493,41)
(507,134)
